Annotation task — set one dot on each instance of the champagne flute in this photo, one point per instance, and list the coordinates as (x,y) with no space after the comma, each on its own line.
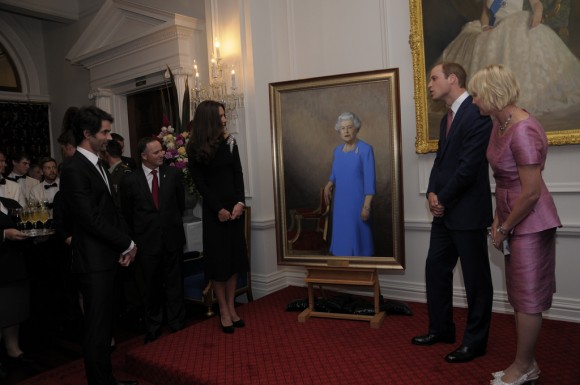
(43,216)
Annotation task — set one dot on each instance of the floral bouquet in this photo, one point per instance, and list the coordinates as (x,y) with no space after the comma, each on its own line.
(175,146)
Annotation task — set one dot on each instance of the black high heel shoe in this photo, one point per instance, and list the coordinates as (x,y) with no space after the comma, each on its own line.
(227,329)
(239,323)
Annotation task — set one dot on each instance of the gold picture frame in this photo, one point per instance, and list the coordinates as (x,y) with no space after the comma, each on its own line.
(428,122)
(303,114)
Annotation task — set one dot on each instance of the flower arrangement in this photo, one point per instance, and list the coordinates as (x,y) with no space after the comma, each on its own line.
(174,139)
(175,146)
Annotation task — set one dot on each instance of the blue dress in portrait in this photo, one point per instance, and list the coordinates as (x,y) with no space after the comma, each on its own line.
(353,176)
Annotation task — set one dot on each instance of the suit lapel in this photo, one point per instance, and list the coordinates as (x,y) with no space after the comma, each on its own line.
(144,186)
(92,169)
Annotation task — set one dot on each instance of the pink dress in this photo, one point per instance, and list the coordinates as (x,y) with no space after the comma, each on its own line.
(530,269)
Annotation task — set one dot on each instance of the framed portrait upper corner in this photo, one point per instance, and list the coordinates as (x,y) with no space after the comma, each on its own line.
(451,30)
(336,146)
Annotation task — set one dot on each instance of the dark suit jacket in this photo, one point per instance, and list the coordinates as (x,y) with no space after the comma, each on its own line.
(460,176)
(154,229)
(99,232)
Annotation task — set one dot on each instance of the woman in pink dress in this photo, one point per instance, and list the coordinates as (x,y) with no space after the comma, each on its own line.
(525,218)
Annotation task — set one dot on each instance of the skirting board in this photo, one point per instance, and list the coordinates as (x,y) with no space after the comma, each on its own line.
(563,309)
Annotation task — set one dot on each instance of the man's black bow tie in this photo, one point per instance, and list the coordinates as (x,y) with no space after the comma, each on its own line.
(16,177)
(47,186)
(2,181)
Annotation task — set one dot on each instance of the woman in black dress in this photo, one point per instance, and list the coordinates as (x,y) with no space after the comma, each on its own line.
(214,164)
(14,285)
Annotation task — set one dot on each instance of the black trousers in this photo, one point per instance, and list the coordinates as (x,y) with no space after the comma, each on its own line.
(98,293)
(162,288)
(470,247)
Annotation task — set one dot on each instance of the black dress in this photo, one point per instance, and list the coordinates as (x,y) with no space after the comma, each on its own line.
(14,284)
(221,185)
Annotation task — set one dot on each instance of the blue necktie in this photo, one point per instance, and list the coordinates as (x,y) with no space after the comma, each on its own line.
(493,8)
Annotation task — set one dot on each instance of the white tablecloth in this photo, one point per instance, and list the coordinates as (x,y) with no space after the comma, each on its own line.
(193,236)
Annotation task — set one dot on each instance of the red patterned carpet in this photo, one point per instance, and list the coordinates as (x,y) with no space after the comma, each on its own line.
(274,348)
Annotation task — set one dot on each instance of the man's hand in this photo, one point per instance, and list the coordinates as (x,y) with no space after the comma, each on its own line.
(128,257)
(435,207)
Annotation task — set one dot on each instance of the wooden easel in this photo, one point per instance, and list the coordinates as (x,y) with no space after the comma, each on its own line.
(343,276)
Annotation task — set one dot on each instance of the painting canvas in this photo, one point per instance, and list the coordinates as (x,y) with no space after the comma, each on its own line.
(303,116)
(436,27)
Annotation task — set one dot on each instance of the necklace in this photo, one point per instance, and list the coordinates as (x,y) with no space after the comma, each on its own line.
(504,126)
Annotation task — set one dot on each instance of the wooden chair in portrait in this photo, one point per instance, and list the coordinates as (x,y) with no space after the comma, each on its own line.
(309,227)
(199,290)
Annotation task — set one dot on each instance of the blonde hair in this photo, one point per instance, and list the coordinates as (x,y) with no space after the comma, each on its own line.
(496,85)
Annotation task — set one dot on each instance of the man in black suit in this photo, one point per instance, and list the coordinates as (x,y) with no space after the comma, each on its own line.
(459,198)
(100,241)
(153,200)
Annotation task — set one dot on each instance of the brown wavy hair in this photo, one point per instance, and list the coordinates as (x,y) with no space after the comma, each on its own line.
(206,131)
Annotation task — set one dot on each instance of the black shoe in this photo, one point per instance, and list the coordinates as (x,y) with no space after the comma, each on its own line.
(126,382)
(431,339)
(227,329)
(151,336)
(463,354)
(25,362)
(239,323)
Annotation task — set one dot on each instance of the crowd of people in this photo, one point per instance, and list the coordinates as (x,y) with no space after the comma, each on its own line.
(118,231)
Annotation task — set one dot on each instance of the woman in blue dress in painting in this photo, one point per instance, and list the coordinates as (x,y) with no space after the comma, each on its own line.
(352,182)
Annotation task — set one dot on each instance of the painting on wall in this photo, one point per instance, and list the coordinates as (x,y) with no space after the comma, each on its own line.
(544,58)
(304,143)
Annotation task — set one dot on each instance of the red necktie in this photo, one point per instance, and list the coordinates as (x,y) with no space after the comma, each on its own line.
(449,120)
(155,188)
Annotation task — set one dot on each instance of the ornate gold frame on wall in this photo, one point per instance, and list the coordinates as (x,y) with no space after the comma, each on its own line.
(423,142)
(302,116)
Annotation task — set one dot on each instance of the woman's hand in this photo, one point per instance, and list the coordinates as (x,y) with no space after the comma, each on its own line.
(14,235)
(365,213)
(237,211)
(224,215)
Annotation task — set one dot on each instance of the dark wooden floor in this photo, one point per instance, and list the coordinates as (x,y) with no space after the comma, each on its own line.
(58,343)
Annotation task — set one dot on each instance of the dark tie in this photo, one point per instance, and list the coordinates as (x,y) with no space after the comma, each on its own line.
(47,186)
(155,188)
(103,174)
(449,121)
(2,181)
(16,177)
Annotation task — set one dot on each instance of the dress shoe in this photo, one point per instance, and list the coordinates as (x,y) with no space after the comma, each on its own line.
(431,339)
(126,382)
(227,329)
(239,323)
(463,354)
(25,362)
(151,336)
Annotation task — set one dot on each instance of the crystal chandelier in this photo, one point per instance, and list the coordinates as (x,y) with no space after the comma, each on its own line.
(217,89)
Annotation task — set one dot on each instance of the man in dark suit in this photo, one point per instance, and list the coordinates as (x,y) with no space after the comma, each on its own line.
(459,198)
(100,241)
(153,200)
